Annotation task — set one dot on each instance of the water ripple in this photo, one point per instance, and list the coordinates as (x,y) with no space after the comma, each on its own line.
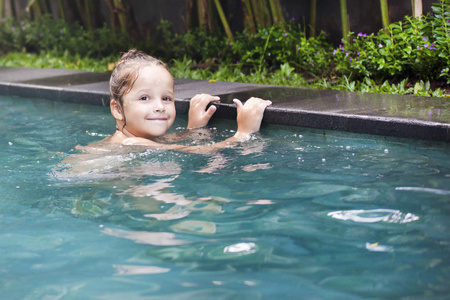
(374,216)
(139,270)
(240,247)
(424,190)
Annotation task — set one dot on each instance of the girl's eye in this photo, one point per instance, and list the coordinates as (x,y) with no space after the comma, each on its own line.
(167,99)
(144,98)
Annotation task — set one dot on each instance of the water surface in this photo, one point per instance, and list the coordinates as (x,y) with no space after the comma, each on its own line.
(294,213)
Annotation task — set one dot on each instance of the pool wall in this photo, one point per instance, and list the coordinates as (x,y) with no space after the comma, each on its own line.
(426,118)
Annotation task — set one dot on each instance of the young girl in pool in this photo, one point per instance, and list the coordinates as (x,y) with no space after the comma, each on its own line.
(142,103)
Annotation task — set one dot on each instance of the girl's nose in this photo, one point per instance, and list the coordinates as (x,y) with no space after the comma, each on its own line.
(159,106)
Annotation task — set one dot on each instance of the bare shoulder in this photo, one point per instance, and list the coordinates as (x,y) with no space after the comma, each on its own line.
(139,141)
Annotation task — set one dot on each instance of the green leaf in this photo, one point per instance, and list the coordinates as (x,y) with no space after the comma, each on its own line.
(417,88)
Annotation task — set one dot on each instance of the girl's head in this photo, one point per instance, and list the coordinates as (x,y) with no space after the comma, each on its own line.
(127,71)
(142,98)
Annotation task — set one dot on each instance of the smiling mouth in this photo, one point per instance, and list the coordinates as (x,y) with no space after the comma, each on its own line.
(157,119)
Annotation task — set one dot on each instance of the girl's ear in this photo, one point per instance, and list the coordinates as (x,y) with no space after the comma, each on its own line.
(116,110)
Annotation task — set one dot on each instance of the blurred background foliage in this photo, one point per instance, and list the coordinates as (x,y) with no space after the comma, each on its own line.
(90,35)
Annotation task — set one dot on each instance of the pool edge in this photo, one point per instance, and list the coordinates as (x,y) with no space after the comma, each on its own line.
(97,93)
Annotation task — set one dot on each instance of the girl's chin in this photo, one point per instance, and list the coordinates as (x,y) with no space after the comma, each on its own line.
(154,135)
(155,132)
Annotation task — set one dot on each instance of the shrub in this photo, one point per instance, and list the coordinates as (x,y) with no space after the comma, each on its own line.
(198,45)
(58,36)
(413,47)
(269,48)
(286,43)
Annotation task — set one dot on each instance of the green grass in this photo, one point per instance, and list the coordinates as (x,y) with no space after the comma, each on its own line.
(284,76)
(48,60)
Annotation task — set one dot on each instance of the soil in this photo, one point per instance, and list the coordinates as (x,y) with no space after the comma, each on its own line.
(440,85)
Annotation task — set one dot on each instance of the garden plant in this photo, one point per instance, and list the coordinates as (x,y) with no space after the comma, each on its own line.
(411,56)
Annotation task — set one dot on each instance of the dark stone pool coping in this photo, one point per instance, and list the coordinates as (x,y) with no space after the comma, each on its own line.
(424,118)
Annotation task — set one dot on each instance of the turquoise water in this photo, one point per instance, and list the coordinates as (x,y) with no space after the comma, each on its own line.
(294,213)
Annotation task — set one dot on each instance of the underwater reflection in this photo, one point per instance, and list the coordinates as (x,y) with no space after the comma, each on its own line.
(139,270)
(115,162)
(146,237)
(159,190)
(140,189)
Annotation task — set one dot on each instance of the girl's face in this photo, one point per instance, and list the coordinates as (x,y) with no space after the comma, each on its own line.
(149,107)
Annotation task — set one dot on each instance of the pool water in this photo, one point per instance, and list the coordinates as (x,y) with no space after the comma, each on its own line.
(293,213)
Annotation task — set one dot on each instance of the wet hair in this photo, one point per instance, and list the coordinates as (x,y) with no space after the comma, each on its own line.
(127,71)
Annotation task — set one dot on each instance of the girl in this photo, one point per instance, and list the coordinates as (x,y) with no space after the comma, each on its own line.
(142,103)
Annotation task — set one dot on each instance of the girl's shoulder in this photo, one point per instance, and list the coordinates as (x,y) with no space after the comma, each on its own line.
(139,141)
(118,138)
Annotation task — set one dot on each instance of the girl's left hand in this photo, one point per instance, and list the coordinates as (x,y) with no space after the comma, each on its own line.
(250,115)
(199,116)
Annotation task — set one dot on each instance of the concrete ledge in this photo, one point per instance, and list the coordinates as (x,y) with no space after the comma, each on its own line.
(390,115)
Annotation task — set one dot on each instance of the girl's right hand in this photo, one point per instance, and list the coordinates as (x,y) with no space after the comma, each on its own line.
(198,114)
(250,115)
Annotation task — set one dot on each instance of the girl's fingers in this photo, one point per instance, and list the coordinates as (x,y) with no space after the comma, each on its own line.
(214,99)
(210,111)
(204,99)
(238,104)
(252,103)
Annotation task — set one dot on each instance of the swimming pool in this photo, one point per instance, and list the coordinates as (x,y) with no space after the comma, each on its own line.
(294,213)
